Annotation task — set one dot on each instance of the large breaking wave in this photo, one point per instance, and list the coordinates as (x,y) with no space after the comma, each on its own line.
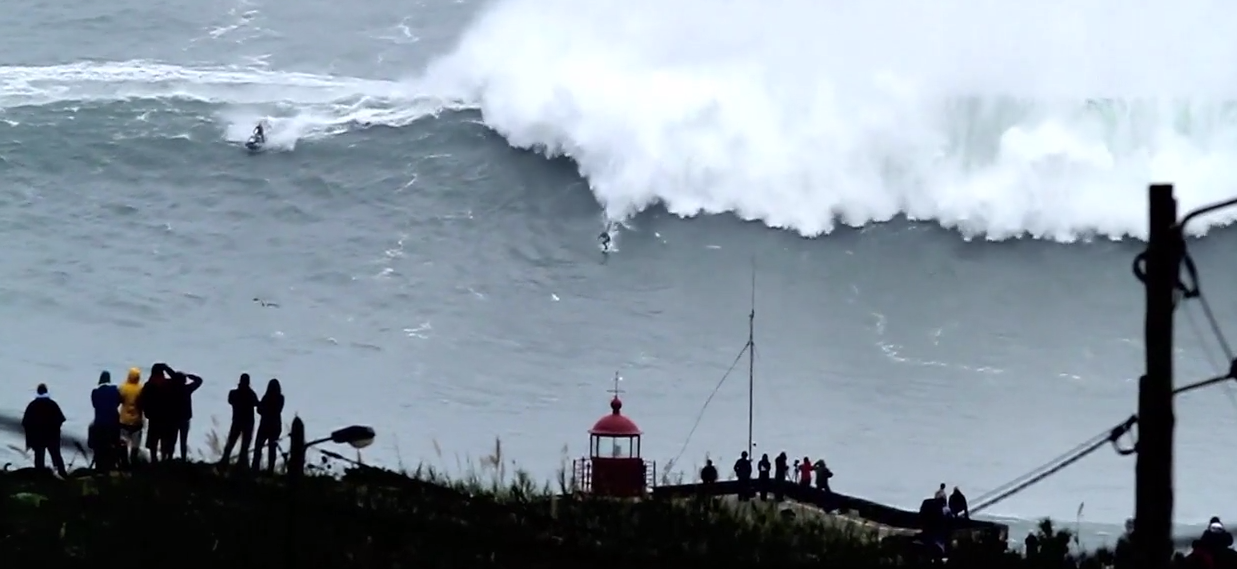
(998,119)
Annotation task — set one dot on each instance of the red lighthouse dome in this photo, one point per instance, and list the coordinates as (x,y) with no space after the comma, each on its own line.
(615,424)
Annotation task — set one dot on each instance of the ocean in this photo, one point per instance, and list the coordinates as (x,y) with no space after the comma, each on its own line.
(940,210)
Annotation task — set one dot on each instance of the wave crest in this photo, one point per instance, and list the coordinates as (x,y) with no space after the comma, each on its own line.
(997,120)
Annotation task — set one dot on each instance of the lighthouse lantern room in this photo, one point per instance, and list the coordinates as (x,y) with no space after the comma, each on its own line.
(614,466)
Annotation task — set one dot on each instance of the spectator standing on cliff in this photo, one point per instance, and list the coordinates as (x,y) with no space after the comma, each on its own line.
(805,471)
(103,435)
(1216,537)
(131,416)
(957,504)
(153,401)
(180,400)
(823,474)
(708,474)
(1123,552)
(780,472)
(270,408)
(42,422)
(243,401)
(743,471)
(762,468)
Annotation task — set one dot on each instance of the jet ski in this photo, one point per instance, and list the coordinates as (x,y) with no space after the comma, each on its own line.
(256,140)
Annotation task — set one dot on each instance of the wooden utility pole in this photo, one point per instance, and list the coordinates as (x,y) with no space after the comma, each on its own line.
(1153,509)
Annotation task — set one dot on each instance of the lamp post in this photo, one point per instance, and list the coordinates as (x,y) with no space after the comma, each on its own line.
(356,436)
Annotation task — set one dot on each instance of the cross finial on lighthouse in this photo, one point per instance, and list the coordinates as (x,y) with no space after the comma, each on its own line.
(616,390)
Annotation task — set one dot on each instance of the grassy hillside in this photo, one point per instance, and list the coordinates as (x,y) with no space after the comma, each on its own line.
(188,515)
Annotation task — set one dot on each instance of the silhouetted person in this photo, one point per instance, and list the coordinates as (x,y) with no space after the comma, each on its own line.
(743,471)
(181,405)
(1124,551)
(103,437)
(762,478)
(1212,548)
(270,409)
(41,423)
(1032,545)
(243,401)
(1216,538)
(931,517)
(708,474)
(780,472)
(823,474)
(941,498)
(153,401)
(805,471)
(957,504)
(131,415)
(1201,556)
(934,531)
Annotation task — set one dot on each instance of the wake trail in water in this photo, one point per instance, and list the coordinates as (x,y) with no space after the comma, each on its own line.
(1045,119)
(298,105)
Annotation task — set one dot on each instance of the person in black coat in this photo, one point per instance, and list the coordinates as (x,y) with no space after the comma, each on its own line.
(42,422)
(153,400)
(762,479)
(243,401)
(957,504)
(270,408)
(743,471)
(708,474)
(780,472)
(180,405)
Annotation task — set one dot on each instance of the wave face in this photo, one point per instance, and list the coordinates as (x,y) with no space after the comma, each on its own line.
(998,119)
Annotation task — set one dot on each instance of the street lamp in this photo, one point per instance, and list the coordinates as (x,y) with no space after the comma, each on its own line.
(355,436)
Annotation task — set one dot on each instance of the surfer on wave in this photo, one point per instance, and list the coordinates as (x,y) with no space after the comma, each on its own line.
(605,239)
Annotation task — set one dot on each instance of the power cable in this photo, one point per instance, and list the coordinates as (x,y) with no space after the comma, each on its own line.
(1017,485)
(1209,355)
(1193,290)
(1187,289)
(1112,436)
(703,408)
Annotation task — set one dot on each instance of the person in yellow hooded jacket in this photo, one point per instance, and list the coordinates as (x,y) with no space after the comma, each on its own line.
(131,422)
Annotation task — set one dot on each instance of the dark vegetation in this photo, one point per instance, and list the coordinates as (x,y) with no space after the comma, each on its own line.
(188,515)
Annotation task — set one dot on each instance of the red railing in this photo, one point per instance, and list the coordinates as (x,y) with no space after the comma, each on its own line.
(582,475)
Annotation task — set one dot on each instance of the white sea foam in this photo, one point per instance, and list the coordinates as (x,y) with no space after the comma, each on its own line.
(998,119)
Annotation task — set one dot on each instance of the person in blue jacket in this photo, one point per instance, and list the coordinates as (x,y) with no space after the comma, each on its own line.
(104,433)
